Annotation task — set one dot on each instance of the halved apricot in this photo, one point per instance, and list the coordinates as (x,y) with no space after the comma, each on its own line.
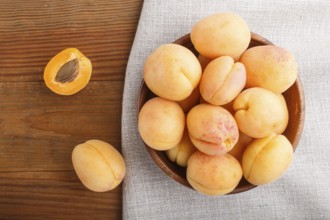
(68,72)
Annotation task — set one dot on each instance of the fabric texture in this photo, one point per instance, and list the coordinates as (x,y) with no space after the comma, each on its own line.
(303,27)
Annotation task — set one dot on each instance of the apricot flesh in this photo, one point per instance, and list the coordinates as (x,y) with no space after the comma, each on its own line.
(68,72)
(161,123)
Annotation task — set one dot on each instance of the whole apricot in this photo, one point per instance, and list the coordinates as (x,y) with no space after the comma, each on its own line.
(260,112)
(222,80)
(212,129)
(99,166)
(266,159)
(172,72)
(213,175)
(221,34)
(161,123)
(269,67)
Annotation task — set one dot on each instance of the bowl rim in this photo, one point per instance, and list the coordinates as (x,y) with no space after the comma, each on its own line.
(183,181)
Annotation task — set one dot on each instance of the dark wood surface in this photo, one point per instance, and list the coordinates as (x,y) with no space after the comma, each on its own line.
(38,128)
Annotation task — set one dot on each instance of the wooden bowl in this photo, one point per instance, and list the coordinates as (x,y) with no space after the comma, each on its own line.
(294,97)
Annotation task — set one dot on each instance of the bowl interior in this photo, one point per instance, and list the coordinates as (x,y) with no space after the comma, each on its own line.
(294,97)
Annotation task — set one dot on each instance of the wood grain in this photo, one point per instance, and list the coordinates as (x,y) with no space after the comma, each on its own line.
(33,32)
(54,195)
(38,129)
(46,126)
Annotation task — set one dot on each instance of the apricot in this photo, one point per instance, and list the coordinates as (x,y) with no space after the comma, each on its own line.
(240,146)
(222,80)
(68,72)
(172,72)
(192,100)
(181,153)
(266,159)
(213,175)
(99,166)
(161,123)
(260,112)
(269,67)
(212,129)
(221,34)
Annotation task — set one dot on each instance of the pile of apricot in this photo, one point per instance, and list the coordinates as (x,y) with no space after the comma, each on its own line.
(221,114)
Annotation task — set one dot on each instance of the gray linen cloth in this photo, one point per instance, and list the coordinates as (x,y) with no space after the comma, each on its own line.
(303,192)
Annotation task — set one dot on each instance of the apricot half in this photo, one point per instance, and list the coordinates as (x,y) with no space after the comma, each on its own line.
(68,72)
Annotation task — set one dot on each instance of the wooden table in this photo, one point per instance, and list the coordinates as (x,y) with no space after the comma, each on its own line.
(38,128)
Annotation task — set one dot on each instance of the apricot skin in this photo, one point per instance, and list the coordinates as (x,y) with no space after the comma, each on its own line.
(99,166)
(266,159)
(213,175)
(260,112)
(161,123)
(222,80)
(172,72)
(269,67)
(221,34)
(212,129)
